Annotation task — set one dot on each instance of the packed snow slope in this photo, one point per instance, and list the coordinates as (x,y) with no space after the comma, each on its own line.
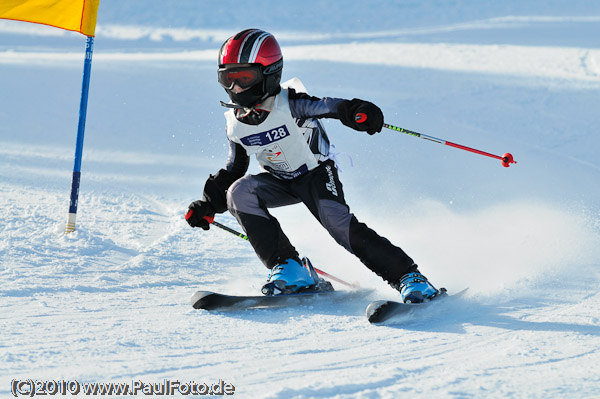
(109,303)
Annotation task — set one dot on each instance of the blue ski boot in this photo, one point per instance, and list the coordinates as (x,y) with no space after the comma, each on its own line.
(415,288)
(288,277)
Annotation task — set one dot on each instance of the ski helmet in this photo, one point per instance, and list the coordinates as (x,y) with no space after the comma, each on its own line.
(251,59)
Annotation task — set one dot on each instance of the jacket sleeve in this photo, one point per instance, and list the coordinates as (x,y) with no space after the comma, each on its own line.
(215,188)
(304,106)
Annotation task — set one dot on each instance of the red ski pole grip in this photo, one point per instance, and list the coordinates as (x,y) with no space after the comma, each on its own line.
(361,117)
(209,219)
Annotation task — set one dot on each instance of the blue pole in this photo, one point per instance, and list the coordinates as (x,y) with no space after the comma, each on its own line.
(87,69)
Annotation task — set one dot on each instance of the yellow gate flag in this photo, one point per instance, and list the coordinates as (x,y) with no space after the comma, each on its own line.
(74,15)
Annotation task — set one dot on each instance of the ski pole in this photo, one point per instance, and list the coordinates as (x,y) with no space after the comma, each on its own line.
(506,159)
(211,220)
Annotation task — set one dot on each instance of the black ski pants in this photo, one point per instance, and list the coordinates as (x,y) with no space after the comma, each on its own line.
(250,197)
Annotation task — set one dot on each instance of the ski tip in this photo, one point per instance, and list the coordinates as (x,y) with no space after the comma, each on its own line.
(199,299)
(374,311)
(382,310)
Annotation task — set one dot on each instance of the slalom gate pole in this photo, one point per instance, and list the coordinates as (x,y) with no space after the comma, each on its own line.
(506,159)
(211,220)
(85,85)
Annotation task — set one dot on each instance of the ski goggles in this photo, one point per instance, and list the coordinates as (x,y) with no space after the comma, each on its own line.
(245,76)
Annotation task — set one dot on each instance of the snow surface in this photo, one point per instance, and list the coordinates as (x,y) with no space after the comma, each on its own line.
(109,303)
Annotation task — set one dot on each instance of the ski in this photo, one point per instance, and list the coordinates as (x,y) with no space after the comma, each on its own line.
(382,310)
(209,300)
(274,295)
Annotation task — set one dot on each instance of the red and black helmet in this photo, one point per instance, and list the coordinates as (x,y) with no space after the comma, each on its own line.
(251,59)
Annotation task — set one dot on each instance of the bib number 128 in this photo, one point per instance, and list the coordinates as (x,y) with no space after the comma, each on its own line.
(277,134)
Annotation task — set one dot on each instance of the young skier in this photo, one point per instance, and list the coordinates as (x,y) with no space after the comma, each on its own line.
(280,126)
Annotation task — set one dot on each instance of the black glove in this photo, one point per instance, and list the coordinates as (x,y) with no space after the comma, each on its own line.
(361,115)
(196,212)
